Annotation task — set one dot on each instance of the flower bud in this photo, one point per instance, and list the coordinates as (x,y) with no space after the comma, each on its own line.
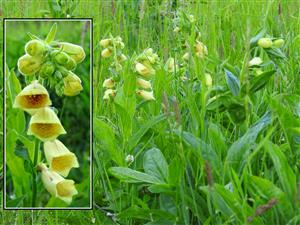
(255,61)
(278,43)
(72,84)
(29,65)
(121,58)
(71,64)
(106,53)
(176,30)
(191,18)
(76,52)
(170,65)
(56,185)
(143,70)
(129,159)
(45,125)
(32,97)
(35,48)
(146,95)
(60,57)
(143,83)
(208,80)
(105,42)
(201,49)
(59,158)
(109,83)
(265,42)
(47,69)
(109,92)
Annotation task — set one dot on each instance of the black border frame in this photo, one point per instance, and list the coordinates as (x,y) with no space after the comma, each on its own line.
(91,207)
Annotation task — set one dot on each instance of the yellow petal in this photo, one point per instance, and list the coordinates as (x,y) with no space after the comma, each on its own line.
(109,92)
(106,53)
(29,65)
(45,125)
(32,97)
(146,95)
(108,83)
(60,159)
(143,83)
(105,42)
(144,70)
(74,51)
(72,84)
(66,190)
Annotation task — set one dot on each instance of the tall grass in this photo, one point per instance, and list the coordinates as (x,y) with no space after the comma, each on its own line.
(220,170)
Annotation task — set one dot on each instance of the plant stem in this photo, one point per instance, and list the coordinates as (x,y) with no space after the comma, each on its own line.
(36,153)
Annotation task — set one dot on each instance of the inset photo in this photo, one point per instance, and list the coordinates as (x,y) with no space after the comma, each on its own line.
(47,114)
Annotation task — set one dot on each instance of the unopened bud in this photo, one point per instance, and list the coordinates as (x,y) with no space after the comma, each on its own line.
(35,47)
(29,65)
(208,80)
(129,159)
(108,83)
(60,57)
(106,53)
(105,42)
(108,93)
(265,42)
(143,83)
(146,95)
(255,61)
(47,69)
(278,43)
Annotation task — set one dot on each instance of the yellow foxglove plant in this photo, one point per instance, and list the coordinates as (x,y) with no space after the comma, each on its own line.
(56,185)
(52,63)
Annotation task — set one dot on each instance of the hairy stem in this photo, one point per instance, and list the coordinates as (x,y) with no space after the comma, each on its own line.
(35,159)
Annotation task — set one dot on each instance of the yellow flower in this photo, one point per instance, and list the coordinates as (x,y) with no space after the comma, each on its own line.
(144,70)
(108,83)
(176,30)
(105,42)
(201,49)
(74,51)
(265,42)
(29,65)
(109,92)
(106,53)
(45,125)
(208,80)
(186,56)
(170,65)
(146,95)
(121,58)
(278,43)
(72,84)
(35,47)
(32,97)
(255,61)
(56,185)
(60,159)
(143,83)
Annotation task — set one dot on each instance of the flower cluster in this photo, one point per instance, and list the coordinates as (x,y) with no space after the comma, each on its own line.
(268,42)
(112,47)
(55,60)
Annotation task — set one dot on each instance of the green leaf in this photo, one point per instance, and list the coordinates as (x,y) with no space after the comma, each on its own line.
(232,82)
(259,35)
(258,82)
(51,35)
(134,140)
(17,202)
(285,173)
(155,164)
(240,149)
(132,176)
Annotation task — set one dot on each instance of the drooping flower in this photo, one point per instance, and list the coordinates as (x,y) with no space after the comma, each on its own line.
(109,92)
(72,84)
(33,97)
(74,51)
(146,95)
(144,70)
(29,65)
(105,42)
(170,65)
(56,185)
(59,158)
(143,83)
(35,48)
(106,53)
(255,61)
(108,83)
(265,42)
(201,50)
(45,125)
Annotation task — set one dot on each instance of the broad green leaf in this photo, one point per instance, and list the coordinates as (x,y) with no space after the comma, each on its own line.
(160,188)
(126,121)
(132,176)
(232,82)
(285,173)
(240,149)
(134,140)
(155,164)
(51,35)
(258,82)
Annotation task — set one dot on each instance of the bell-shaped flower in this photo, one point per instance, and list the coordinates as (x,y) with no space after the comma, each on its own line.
(201,50)
(59,158)
(144,70)
(146,95)
(105,42)
(33,97)
(74,51)
(56,185)
(143,83)
(256,61)
(35,48)
(29,65)
(45,125)
(108,93)
(170,65)
(109,83)
(106,53)
(72,84)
